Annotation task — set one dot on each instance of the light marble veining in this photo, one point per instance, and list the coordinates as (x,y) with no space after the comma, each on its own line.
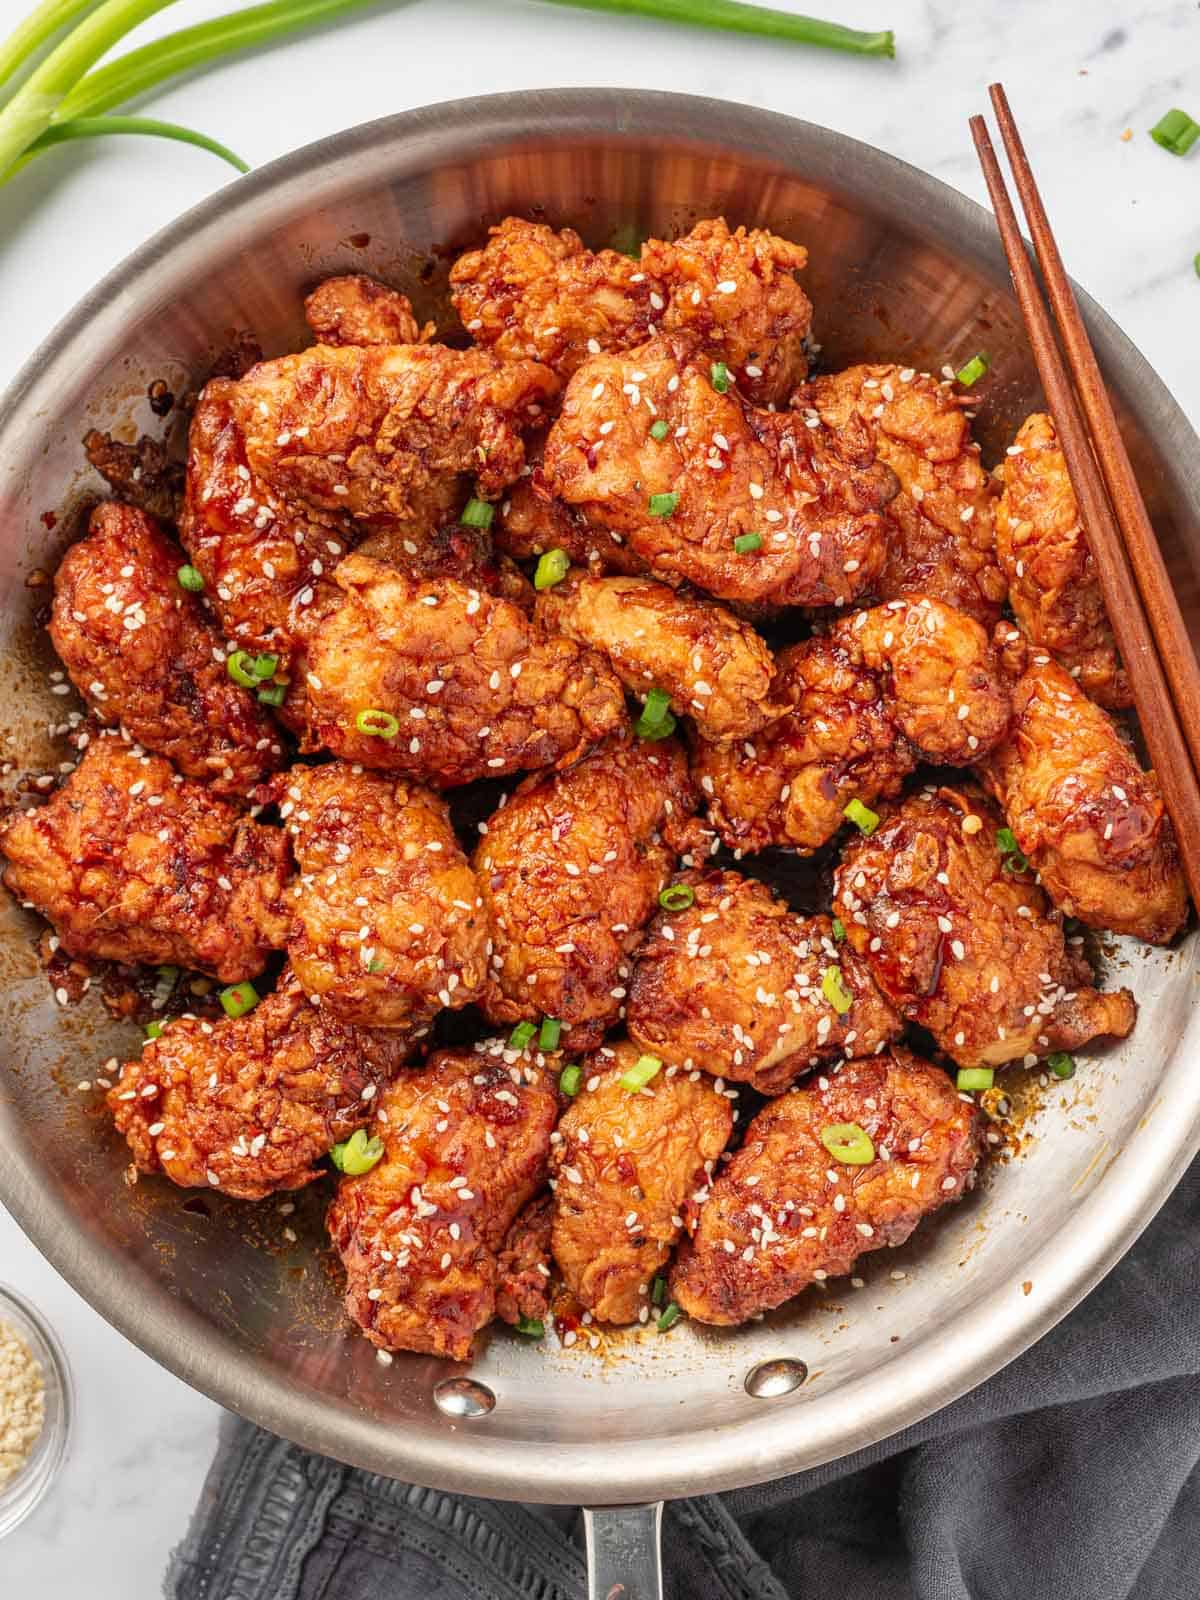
(1127,217)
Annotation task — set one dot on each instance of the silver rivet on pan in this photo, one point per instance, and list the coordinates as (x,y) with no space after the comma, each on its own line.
(463,1397)
(769,1379)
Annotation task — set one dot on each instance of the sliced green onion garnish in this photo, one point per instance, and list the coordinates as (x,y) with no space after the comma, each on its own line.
(264,667)
(655,706)
(570,1078)
(660,429)
(357,1154)
(154,1030)
(658,1290)
(1014,858)
(677,897)
(190,579)
(238,999)
(835,991)
(552,568)
(239,664)
(971,1078)
(273,694)
(1176,132)
(662,505)
(376,965)
(640,1074)
(863,818)
(477,514)
(549,1036)
(848,1143)
(719,376)
(669,1318)
(839,929)
(1061,1064)
(973,371)
(531,1327)
(745,542)
(379,724)
(522,1035)
(1196,262)
(654,730)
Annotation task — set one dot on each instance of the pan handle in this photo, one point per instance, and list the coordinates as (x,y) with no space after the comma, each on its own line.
(624,1551)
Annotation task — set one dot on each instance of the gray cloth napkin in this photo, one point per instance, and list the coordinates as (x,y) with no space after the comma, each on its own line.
(1072,1475)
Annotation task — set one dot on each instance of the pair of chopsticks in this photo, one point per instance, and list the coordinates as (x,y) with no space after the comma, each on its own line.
(1145,616)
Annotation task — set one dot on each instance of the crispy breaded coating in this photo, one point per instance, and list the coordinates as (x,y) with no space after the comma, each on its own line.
(476,689)
(143,654)
(143,474)
(715,667)
(960,944)
(1091,822)
(357,309)
(465,1145)
(250,1105)
(625,1165)
(388,925)
(735,985)
(811,498)
(570,870)
(942,538)
(785,1213)
(523,1280)
(453,551)
(1043,547)
(531,521)
(133,863)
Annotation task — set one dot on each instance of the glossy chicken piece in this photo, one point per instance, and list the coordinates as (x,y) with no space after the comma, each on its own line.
(133,863)
(963,946)
(453,551)
(143,654)
(472,688)
(465,1145)
(570,870)
(1091,822)
(715,668)
(357,310)
(1043,548)
(625,1167)
(785,1213)
(523,1286)
(812,498)
(531,521)
(250,1105)
(388,926)
(942,538)
(736,985)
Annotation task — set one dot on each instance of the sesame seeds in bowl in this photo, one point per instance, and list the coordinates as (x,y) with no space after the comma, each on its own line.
(36,1406)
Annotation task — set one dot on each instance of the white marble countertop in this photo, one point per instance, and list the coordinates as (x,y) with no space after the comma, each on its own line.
(1127,217)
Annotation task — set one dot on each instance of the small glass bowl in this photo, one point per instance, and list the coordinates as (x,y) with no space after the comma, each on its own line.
(25,1489)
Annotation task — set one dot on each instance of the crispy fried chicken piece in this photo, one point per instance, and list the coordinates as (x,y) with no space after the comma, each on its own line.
(625,1165)
(133,863)
(1043,548)
(942,537)
(1091,822)
(715,668)
(467,554)
(476,689)
(465,1145)
(785,1213)
(142,653)
(141,475)
(357,309)
(523,1282)
(962,946)
(531,521)
(250,1105)
(734,985)
(570,871)
(388,926)
(723,471)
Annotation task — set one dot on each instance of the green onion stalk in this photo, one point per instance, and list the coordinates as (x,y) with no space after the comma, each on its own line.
(734,17)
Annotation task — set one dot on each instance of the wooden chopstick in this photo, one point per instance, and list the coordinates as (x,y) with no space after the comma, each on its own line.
(1152,695)
(1158,596)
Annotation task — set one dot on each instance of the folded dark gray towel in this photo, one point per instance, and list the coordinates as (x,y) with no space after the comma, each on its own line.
(1072,1475)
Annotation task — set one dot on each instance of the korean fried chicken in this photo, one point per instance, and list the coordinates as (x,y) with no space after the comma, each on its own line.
(531,521)
(1091,822)
(1043,547)
(715,668)
(625,1166)
(251,1104)
(524,1266)
(788,1210)
(534,292)
(570,870)
(883,689)
(465,1145)
(961,943)
(442,681)
(747,504)
(142,653)
(133,863)
(358,310)
(388,926)
(941,538)
(741,987)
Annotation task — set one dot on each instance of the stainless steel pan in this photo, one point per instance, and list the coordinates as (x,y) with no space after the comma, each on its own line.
(901,267)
